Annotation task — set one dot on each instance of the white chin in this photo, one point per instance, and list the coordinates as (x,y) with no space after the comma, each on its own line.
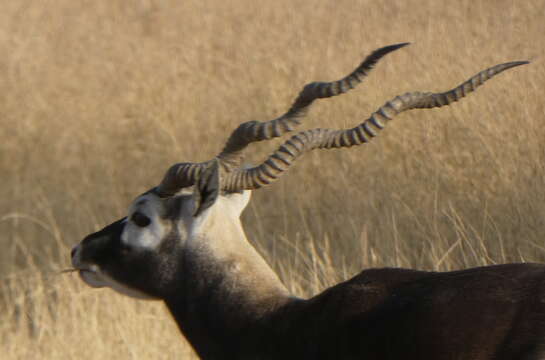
(91,278)
(100,280)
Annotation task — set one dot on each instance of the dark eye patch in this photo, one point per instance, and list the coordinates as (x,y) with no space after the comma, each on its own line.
(140,219)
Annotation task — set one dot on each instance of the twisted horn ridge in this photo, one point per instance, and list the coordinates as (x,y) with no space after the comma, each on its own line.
(179,176)
(185,174)
(280,161)
(253,131)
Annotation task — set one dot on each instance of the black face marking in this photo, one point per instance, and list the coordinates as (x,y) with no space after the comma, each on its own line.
(101,246)
(140,219)
(141,202)
(149,272)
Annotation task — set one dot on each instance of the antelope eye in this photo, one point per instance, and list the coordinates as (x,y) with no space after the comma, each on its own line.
(140,219)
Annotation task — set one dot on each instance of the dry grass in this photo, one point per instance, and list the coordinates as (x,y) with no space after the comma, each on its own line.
(99,97)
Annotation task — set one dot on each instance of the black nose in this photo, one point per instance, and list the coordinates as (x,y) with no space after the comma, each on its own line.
(73,252)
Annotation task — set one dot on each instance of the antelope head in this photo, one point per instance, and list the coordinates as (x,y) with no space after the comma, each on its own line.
(142,254)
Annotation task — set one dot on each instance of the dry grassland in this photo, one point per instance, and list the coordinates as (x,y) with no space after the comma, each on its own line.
(100,97)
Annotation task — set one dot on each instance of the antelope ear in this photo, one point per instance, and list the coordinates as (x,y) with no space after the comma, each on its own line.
(207,188)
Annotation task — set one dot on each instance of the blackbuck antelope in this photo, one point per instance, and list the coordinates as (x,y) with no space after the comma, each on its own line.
(182,242)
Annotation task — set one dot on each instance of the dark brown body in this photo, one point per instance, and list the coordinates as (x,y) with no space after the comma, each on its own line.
(183,243)
(495,312)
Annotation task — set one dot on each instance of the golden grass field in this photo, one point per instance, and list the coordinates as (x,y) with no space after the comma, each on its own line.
(98,98)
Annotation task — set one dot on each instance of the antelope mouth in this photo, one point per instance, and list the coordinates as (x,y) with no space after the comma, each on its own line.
(91,277)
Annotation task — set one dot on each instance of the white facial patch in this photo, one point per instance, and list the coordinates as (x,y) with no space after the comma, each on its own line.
(149,236)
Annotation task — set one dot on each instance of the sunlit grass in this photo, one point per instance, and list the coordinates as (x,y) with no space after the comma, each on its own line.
(99,98)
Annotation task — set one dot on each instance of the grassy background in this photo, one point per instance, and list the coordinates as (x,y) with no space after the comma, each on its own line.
(100,97)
